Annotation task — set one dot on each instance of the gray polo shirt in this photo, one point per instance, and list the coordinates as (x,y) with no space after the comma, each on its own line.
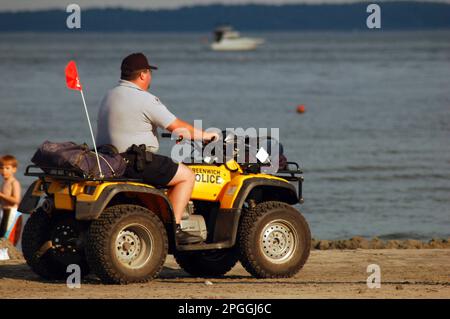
(129,115)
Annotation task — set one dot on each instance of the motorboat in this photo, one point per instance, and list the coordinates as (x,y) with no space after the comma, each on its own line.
(227,39)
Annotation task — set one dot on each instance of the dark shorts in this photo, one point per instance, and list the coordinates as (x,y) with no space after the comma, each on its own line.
(159,171)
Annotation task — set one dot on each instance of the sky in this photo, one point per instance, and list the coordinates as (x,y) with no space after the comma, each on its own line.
(21,5)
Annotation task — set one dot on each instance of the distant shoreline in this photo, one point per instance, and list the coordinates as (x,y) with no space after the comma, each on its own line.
(207,32)
(395,15)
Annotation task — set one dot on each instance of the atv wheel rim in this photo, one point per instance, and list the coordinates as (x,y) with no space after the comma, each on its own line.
(279,239)
(65,244)
(65,238)
(134,246)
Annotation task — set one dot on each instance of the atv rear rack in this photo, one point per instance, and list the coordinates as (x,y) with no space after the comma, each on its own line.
(69,177)
(67,174)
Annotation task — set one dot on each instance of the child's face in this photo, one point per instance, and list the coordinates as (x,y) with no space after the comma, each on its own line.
(7,170)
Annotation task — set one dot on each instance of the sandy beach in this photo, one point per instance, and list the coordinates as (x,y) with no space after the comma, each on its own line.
(405,273)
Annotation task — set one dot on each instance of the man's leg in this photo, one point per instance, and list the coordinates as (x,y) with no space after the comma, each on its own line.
(180,193)
(157,172)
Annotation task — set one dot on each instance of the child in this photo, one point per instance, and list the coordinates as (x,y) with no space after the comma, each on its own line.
(9,192)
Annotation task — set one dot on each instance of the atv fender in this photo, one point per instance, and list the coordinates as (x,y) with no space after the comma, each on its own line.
(273,189)
(227,222)
(91,210)
(30,200)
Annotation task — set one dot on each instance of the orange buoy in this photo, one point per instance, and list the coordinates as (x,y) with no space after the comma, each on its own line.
(301,108)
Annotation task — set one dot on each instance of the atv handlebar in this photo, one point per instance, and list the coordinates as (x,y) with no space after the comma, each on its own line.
(180,137)
(225,141)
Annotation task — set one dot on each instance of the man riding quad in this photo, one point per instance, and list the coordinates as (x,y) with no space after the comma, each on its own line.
(128,115)
(208,214)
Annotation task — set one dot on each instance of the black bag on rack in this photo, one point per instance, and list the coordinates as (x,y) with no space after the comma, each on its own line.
(80,159)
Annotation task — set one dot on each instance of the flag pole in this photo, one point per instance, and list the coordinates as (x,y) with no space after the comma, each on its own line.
(92,134)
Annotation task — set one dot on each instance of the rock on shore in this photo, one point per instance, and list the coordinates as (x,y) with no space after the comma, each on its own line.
(376,243)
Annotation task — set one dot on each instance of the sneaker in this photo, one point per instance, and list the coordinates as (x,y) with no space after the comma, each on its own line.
(184,238)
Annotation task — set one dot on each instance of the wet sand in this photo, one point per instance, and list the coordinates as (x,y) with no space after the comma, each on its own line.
(405,273)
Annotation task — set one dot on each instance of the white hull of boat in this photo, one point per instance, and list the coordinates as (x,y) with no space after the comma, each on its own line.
(241,44)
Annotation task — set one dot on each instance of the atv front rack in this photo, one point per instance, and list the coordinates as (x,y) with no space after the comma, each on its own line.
(293,175)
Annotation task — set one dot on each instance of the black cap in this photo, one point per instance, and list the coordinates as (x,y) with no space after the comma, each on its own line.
(135,62)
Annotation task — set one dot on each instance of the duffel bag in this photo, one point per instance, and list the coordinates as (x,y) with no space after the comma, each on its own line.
(80,159)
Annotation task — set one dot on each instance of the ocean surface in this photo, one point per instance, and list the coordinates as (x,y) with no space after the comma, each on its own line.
(374,142)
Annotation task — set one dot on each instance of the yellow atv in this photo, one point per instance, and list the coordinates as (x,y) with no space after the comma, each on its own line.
(122,229)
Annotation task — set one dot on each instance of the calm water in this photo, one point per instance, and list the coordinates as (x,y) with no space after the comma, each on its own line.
(374,142)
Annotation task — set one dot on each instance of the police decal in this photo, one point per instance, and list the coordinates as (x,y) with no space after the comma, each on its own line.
(205,175)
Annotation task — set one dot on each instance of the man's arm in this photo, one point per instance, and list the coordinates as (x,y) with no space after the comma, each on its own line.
(194,133)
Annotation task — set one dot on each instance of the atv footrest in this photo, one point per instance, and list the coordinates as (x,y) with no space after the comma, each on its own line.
(203,246)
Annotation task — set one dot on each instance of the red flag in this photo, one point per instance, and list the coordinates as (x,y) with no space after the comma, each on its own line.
(72,80)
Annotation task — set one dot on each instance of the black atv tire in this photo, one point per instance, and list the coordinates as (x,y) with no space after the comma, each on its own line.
(45,262)
(274,240)
(126,230)
(207,263)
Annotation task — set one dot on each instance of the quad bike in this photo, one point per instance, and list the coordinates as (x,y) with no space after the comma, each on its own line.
(122,229)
